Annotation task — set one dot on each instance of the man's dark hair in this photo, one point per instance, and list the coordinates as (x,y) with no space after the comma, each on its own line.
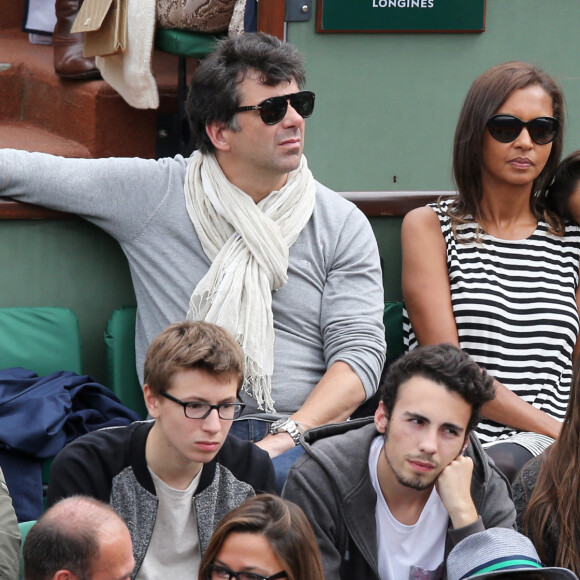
(213,94)
(65,538)
(444,364)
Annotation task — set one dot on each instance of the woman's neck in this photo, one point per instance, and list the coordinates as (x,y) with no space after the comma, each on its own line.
(505,213)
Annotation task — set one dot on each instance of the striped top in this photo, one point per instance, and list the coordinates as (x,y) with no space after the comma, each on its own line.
(514,303)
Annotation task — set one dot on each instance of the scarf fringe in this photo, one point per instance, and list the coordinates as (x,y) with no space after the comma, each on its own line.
(248,245)
(258,385)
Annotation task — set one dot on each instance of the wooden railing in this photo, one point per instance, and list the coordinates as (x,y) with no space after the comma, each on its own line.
(16,210)
(392,203)
(372,204)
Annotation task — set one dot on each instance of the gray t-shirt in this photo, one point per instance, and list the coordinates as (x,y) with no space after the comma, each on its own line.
(174,550)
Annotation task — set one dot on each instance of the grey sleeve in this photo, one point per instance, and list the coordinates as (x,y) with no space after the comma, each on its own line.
(353,303)
(119,195)
(498,509)
(458,534)
(9,536)
(312,491)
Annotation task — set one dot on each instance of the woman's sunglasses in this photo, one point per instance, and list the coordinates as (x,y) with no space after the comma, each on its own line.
(274,109)
(506,128)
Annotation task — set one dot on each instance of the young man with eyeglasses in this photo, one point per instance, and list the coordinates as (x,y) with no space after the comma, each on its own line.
(172,479)
(240,234)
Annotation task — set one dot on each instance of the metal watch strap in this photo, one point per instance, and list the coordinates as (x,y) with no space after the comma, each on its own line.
(288,425)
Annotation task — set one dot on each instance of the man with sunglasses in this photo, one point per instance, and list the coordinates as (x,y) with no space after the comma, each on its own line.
(174,478)
(240,234)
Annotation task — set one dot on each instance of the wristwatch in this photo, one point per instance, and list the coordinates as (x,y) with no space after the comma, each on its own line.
(288,425)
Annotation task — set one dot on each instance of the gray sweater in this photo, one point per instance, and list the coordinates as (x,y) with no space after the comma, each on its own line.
(9,536)
(331,483)
(330,310)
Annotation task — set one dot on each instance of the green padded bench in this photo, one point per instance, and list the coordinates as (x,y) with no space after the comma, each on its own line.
(24,529)
(43,339)
(184,43)
(393,321)
(121,367)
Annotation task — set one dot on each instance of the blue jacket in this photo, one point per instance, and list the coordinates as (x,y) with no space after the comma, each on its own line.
(38,417)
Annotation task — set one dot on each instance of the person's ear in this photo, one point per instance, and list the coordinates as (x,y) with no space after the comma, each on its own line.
(217,132)
(465,443)
(381,419)
(151,401)
(64,575)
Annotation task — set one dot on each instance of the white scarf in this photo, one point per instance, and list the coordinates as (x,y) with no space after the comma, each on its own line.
(248,245)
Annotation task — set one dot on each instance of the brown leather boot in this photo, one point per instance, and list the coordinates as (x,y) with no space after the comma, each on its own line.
(69,61)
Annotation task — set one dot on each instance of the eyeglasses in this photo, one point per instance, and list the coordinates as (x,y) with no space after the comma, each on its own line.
(227,411)
(216,572)
(274,109)
(506,128)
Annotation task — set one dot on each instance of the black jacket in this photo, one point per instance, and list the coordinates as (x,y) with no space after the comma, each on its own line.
(110,465)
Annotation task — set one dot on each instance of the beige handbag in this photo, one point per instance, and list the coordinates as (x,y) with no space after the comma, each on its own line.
(195,15)
(104,24)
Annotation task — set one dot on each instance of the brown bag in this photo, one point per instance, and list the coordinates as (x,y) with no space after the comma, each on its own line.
(195,15)
(104,24)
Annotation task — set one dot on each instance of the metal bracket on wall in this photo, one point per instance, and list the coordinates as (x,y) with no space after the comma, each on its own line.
(298,10)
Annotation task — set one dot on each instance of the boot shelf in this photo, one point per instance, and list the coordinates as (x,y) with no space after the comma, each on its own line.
(86,118)
(30,137)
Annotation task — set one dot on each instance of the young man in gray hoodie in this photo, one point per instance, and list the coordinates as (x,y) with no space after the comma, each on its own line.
(389,498)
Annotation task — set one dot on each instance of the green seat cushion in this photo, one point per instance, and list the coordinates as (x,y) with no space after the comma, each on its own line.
(24,528)
(393,321)
(43,339)
(121,367)
(185,43)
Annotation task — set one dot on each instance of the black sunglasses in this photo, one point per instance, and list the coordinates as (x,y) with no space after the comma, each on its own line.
(215,572)
(274,109)
(506,128)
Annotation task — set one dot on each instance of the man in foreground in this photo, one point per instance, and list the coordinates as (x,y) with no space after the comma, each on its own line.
(79,538)
(389,499)
(174,478)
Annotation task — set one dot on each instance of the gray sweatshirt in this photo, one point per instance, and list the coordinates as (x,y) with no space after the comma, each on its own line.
(330,310)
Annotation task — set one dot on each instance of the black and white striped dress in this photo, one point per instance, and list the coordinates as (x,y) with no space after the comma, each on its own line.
(514,303)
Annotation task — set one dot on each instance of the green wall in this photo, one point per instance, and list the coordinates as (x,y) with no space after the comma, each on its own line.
(387,104)
(68,263)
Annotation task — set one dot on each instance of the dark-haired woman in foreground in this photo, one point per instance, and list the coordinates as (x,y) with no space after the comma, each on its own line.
(547,492)
(266,538)
(495,271)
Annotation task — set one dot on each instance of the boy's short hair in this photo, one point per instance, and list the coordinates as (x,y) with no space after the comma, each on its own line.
(444,364)
(192,345)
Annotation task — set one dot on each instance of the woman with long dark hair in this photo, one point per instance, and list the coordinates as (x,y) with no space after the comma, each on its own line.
(547,492)
(494,270)
(265,538)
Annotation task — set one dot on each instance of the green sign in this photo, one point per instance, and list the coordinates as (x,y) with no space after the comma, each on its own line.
(400,16)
